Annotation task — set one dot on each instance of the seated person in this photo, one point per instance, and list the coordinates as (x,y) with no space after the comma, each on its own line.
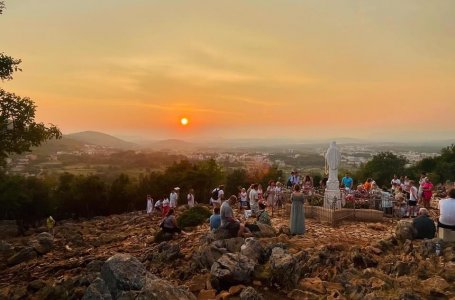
(368,184)
(447,211)
(424,225)
(360,192)
(169,224)
(228,221)
(215,219)
(262,215)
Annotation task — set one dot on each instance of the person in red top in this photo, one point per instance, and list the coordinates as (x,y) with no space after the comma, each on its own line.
(427,192)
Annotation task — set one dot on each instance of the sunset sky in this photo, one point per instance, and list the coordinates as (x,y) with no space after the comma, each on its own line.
(237,69)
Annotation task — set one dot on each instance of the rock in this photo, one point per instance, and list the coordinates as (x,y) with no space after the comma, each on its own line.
(235,290)
(123,272)
(284,229)
(157,289)
(402,268)
(363,260)
(302,295)
(408,247)
(36,285)
(409,295)
(52,292)
(314,285)
(435,285)
(252,249)
(206,255)
(223,295)
(43,243)
(198,283)
(98,290)
(207,295)
(250,293)
(221,234)
(6,250)
(285,268)
(232,245)
(167,252)
(265,231)
(404,231)
(94,266)
(231,269)
(25,254)
(376,283)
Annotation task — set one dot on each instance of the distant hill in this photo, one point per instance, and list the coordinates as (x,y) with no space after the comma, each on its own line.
(100,139)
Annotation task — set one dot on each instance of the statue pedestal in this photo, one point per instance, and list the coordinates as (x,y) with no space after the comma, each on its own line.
(332,195)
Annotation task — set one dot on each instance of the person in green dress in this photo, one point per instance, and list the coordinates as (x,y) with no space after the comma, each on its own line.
(297,212)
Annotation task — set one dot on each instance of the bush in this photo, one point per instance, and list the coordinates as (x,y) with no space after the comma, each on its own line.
(193,217)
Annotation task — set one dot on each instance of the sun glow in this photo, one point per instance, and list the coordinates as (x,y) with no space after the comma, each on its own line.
(184,121)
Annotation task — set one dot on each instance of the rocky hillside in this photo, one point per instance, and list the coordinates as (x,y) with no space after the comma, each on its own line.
(116,258)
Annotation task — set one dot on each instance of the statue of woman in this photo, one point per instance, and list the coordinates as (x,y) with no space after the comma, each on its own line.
(333,159)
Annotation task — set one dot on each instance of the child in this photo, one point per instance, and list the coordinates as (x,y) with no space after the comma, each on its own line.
(215,219)
(243,199)
(166,206)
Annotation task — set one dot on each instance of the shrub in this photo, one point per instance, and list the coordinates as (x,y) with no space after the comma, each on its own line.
(193,217)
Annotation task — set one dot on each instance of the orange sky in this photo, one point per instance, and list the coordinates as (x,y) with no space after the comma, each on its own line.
(309,69)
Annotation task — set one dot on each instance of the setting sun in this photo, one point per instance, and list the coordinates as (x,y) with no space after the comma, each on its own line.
(184,121)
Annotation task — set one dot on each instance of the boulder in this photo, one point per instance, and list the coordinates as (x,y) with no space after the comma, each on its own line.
(221,234)
(167,252)
(435,285)
(123,272)
(252,249)
(265,231)
(232,245)
(286,268)
(231,269)
(198,283)
(98,290)
(250,293)
(157,289)
(94,266)
(43,243)
(25,254)
(404,231)
(363,260)
(206,255)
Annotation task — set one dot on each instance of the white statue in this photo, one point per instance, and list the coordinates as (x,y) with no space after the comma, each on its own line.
(333,159)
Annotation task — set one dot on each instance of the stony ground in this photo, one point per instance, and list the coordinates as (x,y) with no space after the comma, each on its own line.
(352,261)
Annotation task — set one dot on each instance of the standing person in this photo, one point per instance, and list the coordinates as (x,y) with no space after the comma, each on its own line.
(347,182)
(166,206)
(427,192)
(50,222)
(396,183)
(412,202)
(271,193)
(308,185)
(297,222)
(447,211)
(174,197)
(290,181)
(405,186)
(217,196)
(422,178)
(279,194)
(243,199)
(254,198)
(190,198)
(260,193)
(296,178)
(159,205)
(149,208)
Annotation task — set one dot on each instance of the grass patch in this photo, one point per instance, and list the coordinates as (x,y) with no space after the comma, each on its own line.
(193,217)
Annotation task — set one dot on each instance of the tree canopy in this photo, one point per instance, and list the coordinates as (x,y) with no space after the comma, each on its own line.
(18,129)
(382,168)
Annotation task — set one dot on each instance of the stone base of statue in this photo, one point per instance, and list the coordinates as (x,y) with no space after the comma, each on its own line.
(332,195)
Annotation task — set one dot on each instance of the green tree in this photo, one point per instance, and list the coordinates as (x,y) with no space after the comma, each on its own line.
(235,179)
(121,195)
(382,168)
(18,129)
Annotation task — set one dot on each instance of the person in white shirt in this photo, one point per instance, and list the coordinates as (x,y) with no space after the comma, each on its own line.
(396,183)
(190,198)
(413,197)
(447,211)
(217,196)
(158,205)
(166,206)
(149,204)
(254,198)
(174,197)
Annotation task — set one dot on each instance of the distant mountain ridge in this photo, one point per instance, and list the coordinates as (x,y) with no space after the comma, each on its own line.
(101,139)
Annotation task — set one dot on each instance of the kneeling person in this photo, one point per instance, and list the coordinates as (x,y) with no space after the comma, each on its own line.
(228,221)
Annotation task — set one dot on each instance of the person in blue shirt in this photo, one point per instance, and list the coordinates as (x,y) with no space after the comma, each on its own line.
(215,219)
(347,182)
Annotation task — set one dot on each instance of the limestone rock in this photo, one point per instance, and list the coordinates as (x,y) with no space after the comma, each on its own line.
(198,283)
(123,272)
(207,295)
(94,266)
(265,231)
(43,243)
(206,255)
(231,269)
(252,249)
(158,289)
(314,285)
(302,295)
(435,285)
(250,293)
(285,268)
(25,254)
(404,230)
(98,290)
(232,245)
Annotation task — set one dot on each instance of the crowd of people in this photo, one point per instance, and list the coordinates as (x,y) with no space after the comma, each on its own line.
(404,196)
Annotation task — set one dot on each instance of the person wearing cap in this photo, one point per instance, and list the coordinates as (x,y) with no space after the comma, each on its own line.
(174,197)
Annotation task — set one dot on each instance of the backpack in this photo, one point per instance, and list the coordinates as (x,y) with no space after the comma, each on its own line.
(215,194)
